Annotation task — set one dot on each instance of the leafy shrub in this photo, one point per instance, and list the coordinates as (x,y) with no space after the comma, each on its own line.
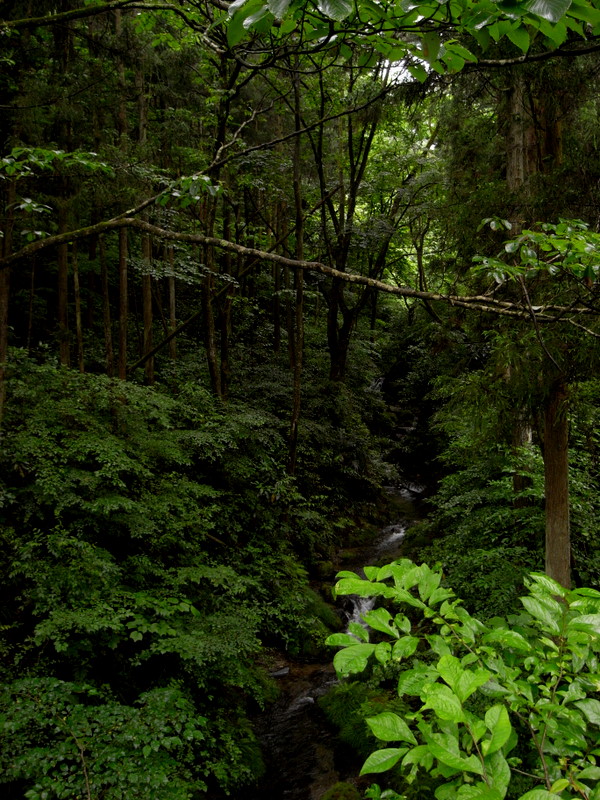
(513,697)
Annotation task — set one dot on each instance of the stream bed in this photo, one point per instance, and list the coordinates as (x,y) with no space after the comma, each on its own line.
(302,756)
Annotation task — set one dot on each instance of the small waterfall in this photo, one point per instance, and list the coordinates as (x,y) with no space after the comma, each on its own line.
(299,747)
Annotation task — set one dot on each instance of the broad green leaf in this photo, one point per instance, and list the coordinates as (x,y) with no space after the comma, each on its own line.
(461,51)
(591,709)
(431,46)
(442,700)
(428,583)
(418,72)
(478,792)
(585,11)
(440,594)
(371,573)
(405,647)
(445,748)
(412,681)
(549,584)
(519,37)
(497,721)
(357,630)
(551,10)
(450,669)
(470,681)
(340,640)
(389,727)
(335,9)
(382,760)
(352,659)
(590,623)
(381,620)
(559,785)
(538,794)
(545,610)
(239,13)
(278,7)
(383,652)
(511,639)
(362,588)
(589,773)
(498,771)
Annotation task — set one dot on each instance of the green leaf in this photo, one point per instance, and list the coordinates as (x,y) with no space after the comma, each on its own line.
(589,773)
(383,652)
(519,37)
(335,9)
(549,584)
(538,794)
(450,669)
(357,630)
(278,7)
(470,681)
(352,659)
(444,747)
(511,639)
(405,647)
(498,771)
(418,72)
(340,640)
(497,721)
(389,727)
(442,700)
(591,709)
(431,46)
(362,588)
(545,610)
(551,10)
(412,681)
(382,760)
(590,623)
(381,620)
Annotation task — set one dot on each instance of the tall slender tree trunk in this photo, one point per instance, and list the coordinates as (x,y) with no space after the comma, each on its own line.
(172,304)
(5,248)
(106,316)
(77,298)
(123,304)
(556,484)
(147,309)
(298,339)
(210,336)
(63,291)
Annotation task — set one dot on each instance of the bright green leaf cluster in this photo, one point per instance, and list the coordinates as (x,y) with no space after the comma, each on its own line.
(478,690)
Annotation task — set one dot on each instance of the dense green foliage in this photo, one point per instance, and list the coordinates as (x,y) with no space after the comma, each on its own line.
(150,549)
(503,709)
(245,286)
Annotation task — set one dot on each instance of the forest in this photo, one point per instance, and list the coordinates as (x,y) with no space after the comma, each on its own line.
(264,267)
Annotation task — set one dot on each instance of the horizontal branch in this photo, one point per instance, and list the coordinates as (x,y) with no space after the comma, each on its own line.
(476,302)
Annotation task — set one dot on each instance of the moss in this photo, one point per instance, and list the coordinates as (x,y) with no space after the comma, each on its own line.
(341,791)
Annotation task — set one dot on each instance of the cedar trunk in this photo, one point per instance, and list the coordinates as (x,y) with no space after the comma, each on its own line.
(556,477)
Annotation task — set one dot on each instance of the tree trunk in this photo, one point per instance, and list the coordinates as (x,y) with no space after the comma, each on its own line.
(108,345)
(172,305)
(77,297)
(147,310)
(5,249)
(556,481)
(123,304)
(210,338)
(63,291)
(298,339)
(225,321)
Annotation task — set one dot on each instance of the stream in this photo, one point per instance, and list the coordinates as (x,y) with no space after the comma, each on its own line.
(302,756)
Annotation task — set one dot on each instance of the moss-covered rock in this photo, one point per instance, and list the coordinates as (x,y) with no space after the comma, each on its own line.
(341,791)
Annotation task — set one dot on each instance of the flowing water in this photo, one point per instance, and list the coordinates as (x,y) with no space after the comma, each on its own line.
(302,756)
